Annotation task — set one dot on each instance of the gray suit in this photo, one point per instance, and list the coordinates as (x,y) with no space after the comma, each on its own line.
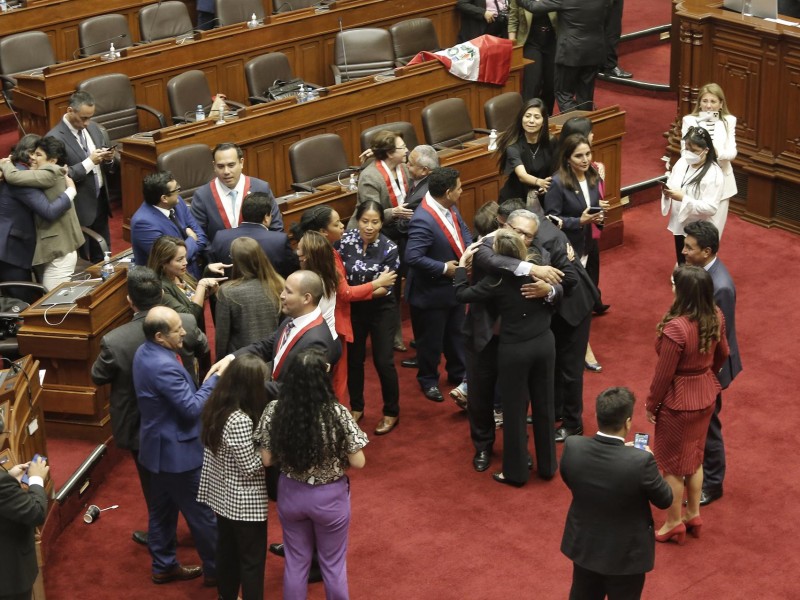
(244,315)
(371,186)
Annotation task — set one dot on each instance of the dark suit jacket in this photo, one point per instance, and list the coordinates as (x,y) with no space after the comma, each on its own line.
(148,224)
(274,243)
(17,225)
(319,336)
(87,200)
(170,406)
(426,253)
(725,297)
(205,211)
(20,512)
(473,23)
(581,29)
(567,205)
(609,528)
(114,365)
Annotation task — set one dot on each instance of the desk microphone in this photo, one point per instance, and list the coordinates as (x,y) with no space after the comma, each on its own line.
(319,178)
(578,107)
(282,6)
(445,144)
(154,20)
(111,39)
(344,52)
(11,108)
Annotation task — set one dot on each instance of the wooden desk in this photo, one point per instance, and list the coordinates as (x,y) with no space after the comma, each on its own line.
(305,37)
(267,130)
(757,63)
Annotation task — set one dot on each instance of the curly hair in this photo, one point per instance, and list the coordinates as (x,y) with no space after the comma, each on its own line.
(241,387)
(694,299)
(320,259)
(305,430)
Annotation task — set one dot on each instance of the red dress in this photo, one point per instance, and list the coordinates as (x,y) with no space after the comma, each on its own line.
(683,393)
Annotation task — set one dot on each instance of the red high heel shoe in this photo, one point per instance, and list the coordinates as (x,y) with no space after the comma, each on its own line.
(694,525)
(678,533)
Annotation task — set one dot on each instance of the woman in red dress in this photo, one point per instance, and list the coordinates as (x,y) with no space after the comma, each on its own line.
(691,348)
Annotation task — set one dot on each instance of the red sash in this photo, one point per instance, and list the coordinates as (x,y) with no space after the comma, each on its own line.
(221,209)
(457,246)
(395,188)
(276,368)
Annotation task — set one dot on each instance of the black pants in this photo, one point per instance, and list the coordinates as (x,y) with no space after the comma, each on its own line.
(437,331)
(538,79)
(241,558)
(100,225)
(588,585)
(144,477)
(526,371)
(26,595)
(482,372)
(206,20)
(571,344)
(374,319)
(613,33)
(714,454)
(593,267)
(574,87)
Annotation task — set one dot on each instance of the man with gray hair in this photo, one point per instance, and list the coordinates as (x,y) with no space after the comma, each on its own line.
(422,160)
(90,159)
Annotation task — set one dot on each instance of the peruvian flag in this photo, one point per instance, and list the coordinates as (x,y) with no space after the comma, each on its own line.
(486,59)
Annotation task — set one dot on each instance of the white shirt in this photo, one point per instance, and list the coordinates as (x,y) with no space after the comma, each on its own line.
(224,194)
(613,437)
(86,163)
(299,323)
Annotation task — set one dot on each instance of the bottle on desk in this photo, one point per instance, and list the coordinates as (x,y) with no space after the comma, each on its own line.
(747,8)
(108,267)
(352,186)
(253,22)
(493,140)
(302,95)
(199,114)
(3,6)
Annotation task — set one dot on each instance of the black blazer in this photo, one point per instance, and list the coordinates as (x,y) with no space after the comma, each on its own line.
(568,205)
(275,245)
(609,528)
(20,512)
(473,23)
(581,29)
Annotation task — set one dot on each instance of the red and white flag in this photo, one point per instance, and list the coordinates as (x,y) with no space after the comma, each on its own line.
(486,59)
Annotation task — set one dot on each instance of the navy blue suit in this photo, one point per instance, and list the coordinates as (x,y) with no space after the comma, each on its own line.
(436,315)
(568,205)
(148,224)
(205,211)
(274,243)
(171,450)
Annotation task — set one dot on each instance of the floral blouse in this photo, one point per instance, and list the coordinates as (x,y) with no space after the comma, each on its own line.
(364,266)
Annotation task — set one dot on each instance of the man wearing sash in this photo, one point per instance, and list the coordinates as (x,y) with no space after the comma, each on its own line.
(218,204)
(437,237)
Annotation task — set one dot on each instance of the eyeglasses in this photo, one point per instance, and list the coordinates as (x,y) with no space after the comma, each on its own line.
(401,147)
(524,234)
(177,190)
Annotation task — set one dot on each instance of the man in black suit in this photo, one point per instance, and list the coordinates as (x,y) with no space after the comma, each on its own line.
(700,248)
(479,17)
(256,218)
(613,33)
(609,534)
(20,512)
(303,327)
(114,365)
(90,159)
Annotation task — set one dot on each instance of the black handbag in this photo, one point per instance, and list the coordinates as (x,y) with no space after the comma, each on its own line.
(285,89)
(10,316)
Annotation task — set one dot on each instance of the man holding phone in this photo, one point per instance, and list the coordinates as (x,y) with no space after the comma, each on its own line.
(20,512)
(609,533)
(90,158)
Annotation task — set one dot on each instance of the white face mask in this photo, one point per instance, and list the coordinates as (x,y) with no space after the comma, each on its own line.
(691,158)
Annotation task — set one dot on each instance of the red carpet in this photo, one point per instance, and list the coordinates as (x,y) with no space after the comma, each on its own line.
(425,525)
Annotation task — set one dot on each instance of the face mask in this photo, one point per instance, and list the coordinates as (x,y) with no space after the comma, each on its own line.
(691,158)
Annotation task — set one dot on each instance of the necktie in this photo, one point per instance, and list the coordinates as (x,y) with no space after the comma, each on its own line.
(285,334)
(449,217)
(84,143)
(233,195)
(174,218)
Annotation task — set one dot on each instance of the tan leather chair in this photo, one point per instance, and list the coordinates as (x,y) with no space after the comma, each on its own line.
(501,110)
(411,37)
(404,128)
(115,105)
(22,53)
(238,11)
(361,53)
(317,160)
(186,91)
(95,35)
(164,20)
(191,165)
(263,71)
(447,123)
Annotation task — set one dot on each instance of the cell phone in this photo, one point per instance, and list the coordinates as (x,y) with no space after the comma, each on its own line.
(641,440)
(708,115)
(593,210)
(25,475)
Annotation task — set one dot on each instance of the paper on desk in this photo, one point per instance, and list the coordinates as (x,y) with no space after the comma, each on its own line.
(784,22)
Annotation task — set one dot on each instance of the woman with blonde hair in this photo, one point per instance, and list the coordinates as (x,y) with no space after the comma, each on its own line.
(249,305)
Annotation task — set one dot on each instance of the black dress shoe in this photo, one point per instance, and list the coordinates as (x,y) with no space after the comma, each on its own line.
(530,463)
(410,363)
(617,72)
(481,460)
(314,573)
(140,537)
(601,309)
(708,496)
(433,393)
(277,550)
(498,477)
(178,573)
(562,433)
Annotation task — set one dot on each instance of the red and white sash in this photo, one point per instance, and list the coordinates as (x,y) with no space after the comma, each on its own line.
(280,357)
(454,236)
(398,189)
(221,208)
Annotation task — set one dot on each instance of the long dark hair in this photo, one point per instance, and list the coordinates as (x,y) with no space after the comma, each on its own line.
(320,259)
(306,430)
(568,147)
(515,132)
(314,219)
(241,387)
(699,137)
(21,152)
(694,299)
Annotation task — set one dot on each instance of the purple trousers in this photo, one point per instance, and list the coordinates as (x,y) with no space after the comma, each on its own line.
(314,516)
